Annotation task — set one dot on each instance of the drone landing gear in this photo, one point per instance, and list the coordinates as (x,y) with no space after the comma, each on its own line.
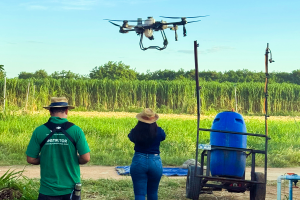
(155,47)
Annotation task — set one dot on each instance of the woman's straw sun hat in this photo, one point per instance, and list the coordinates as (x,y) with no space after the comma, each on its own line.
(147,116)
(58,102)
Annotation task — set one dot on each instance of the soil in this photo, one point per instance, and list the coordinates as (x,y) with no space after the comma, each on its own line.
(109,172)
(8,193)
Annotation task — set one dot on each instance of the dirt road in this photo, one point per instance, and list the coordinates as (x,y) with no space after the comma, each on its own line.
(98,172)
(109,172)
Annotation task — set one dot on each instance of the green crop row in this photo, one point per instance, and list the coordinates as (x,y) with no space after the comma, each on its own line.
(163,96)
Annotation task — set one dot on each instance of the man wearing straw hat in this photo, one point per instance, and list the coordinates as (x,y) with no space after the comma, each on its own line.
(58,146)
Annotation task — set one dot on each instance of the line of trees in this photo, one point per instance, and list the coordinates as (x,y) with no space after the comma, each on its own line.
(119,70)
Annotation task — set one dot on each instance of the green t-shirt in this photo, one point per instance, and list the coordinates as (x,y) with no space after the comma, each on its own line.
(59,164)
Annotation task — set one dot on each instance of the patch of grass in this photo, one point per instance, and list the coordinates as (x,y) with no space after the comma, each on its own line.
(13,185)
(108,189)
(109,144)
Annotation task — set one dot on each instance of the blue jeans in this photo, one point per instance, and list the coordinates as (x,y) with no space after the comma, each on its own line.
(146,171)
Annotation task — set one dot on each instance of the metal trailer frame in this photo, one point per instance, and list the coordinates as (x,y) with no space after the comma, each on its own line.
(230,183)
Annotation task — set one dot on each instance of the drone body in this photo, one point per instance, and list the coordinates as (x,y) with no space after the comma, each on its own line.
(150,25)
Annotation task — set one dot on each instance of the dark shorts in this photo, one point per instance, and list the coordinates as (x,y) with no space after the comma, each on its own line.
(61,197)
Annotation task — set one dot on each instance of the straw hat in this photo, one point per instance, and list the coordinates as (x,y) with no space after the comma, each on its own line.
(147,116)
(59,102)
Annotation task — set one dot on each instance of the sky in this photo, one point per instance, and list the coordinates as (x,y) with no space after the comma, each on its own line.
(57,35)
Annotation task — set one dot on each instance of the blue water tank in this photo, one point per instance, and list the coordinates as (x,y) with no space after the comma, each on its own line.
(226,163)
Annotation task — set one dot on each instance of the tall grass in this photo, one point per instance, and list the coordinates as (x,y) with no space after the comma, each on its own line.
(17,186)
(164,96)
(107,138)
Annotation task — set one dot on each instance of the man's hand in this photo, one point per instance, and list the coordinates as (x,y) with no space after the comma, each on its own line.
(85,158)
(34,161)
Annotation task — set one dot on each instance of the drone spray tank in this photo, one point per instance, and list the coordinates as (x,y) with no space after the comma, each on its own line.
(149,32)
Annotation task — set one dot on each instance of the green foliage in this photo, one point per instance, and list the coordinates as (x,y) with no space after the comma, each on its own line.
(109,144)
(66,75)
(25,75)
(113,71)
(20,186)
(42,74)
(163,75)
(39,74)
(178,96)
(2,72)
(120,71)
(109,189)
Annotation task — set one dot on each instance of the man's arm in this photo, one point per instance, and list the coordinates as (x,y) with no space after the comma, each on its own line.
(34,161)
(85,158)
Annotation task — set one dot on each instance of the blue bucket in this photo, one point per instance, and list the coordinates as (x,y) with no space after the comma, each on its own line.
(226,163)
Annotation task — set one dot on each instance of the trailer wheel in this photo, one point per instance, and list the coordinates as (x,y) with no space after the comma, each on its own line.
(258,191)
(193,183)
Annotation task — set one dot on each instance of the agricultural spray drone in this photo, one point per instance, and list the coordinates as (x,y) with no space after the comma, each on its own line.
(150,25)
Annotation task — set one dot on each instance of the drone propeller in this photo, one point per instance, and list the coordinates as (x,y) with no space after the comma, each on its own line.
(183,17)
(193,21)
(120,20)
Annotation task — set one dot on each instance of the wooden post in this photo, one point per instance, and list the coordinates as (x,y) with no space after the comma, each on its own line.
(4,91)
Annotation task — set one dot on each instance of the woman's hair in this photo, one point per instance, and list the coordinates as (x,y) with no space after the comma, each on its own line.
(144,134)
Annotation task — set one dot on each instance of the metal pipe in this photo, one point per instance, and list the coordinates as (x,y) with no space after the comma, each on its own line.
(290,190)
(266,110)
(286,177)
(198,101)
(240,133)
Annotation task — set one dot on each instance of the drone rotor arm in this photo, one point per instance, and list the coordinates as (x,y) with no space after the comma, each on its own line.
(172,23)
(147,27)
(115,24)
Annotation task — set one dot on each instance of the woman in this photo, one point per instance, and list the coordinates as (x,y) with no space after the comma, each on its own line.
(146,166)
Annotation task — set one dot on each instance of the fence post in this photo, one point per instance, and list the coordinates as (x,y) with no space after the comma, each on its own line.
(4,91)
